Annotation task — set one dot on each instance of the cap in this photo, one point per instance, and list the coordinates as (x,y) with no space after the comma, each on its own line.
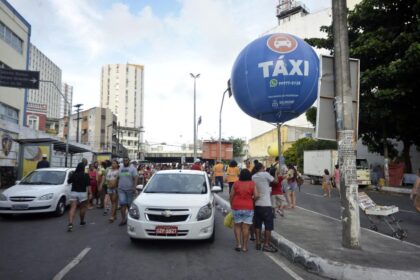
(44,156)
(197,160)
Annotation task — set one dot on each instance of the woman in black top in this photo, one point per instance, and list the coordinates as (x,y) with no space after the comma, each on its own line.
(79,194)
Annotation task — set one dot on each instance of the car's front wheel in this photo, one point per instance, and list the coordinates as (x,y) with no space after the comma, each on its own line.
(61,207)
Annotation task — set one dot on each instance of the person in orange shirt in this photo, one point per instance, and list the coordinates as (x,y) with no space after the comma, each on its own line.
(218,173)
(232,174)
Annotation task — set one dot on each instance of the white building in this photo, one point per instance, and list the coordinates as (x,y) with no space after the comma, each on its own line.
(67,91)
(47,94)
(122,91)
(15,33)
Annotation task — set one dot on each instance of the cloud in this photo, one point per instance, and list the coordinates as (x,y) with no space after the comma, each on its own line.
(201,37)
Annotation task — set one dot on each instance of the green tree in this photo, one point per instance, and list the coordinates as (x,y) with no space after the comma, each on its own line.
(238,146)
(385,36)
(294,155)
(311,115)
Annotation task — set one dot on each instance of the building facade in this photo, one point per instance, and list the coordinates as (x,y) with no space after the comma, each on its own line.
(122,91)
(258,147)
(15,34)
(97,129)
(47,94)
(67,100)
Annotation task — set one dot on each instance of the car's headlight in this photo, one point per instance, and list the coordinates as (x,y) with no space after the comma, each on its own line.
(3,197)
(204,212)
(47,196)
(134,211)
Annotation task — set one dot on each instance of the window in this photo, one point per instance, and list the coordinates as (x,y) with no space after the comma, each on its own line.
(8,113)
(11,38)
(33,122)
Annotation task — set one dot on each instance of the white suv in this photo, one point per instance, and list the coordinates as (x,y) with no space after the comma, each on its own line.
(175,204)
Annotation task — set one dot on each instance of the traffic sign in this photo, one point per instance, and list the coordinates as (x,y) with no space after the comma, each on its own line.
(325,119)
(19,78)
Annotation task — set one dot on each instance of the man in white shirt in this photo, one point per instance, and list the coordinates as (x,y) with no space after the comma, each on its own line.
(263,208)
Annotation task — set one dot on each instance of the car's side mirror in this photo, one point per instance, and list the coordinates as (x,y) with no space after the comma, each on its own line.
(216,189)
(139,187)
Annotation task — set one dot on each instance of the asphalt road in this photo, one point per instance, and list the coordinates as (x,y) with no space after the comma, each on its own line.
(311,197)
(38,247)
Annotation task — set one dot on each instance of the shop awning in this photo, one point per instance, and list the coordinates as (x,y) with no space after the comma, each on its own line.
(58,145)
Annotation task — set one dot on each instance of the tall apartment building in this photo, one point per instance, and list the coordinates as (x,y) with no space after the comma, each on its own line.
(122,92)
(15,34)
(47,94)
(67,91)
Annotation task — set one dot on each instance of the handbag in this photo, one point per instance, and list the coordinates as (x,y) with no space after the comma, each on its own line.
(228,221)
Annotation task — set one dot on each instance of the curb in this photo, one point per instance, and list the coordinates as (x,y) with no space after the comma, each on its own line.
(324,267)
(391,189)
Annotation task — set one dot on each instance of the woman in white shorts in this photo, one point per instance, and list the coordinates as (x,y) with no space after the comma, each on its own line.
(79,194)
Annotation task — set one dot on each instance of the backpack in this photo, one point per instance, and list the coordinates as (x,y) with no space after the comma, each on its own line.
(273,169)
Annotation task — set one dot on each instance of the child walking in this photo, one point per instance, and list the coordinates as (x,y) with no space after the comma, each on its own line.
(326,183)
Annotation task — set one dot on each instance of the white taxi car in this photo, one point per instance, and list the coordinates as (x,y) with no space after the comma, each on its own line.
(42,190)
(175,204)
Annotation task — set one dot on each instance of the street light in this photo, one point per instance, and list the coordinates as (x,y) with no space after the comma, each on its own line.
(220,119)
(68,120)
(195,129)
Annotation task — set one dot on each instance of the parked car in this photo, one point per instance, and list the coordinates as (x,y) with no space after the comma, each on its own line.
(42,190)
(175,204)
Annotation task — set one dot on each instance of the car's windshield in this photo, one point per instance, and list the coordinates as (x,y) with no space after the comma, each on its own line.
(177,183)
(44,177)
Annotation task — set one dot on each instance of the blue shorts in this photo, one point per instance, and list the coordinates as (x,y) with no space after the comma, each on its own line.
(264,214)
(125,197)
(243,216)
(111,190)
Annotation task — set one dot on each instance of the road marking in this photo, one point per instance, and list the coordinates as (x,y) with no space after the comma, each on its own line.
(72,264)
(317,195)
(284,267)
(319,214)
(407,211)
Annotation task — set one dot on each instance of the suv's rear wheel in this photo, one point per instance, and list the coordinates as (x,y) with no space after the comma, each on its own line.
(61,207)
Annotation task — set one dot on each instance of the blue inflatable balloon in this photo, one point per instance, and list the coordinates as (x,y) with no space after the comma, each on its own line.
(275,78)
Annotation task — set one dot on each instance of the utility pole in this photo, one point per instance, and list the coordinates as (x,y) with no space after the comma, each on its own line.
(345,129)
(77,119)
(195,131)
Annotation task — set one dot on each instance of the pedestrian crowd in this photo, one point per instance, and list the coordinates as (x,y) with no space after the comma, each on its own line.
(256,196)
(107,186)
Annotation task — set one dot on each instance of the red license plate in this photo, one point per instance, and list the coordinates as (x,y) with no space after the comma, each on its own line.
(166,230)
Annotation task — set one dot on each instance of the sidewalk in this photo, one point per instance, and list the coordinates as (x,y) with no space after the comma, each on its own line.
(314,241)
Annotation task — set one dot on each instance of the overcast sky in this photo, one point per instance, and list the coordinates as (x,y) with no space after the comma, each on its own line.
(171,38)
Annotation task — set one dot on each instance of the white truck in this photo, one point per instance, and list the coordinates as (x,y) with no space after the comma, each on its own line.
(314,163)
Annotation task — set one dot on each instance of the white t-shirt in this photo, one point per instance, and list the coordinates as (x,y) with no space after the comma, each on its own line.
(262,181)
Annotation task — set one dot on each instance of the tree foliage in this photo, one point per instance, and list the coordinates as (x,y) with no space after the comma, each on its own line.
(385,36)
(311,115)
(238,146)
(294,155)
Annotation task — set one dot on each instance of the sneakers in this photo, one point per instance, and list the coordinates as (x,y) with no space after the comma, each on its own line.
(82,223)
(269,249)
(70,227)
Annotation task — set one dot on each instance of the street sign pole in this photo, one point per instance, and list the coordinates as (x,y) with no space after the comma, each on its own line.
(345,127)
